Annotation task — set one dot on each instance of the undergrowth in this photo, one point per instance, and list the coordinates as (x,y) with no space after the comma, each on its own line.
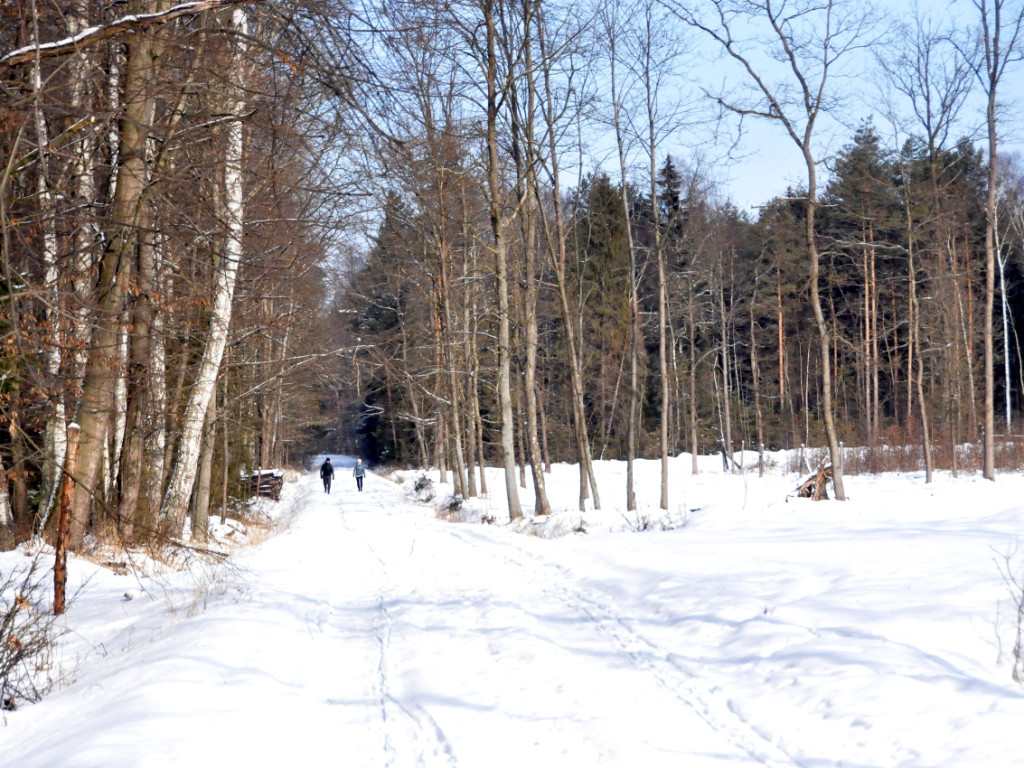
(28,632)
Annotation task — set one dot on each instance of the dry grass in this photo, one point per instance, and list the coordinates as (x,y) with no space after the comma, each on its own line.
(909,457)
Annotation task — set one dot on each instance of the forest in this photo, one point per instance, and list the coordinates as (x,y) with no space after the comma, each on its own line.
(495,232)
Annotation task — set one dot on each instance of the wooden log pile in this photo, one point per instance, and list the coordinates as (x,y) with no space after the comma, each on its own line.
(267,483)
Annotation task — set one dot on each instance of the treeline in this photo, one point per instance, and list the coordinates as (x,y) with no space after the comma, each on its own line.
(165,233)
(876,304)
(740,350)
(479,232)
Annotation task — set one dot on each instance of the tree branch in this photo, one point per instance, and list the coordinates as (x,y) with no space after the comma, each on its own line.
(95,34)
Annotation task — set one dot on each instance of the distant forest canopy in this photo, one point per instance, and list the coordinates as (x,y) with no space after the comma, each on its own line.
(237,233)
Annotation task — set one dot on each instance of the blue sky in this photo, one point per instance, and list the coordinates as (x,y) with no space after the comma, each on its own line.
(768,161)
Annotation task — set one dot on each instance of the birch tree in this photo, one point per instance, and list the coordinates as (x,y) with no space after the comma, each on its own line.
(6,516)
(56,431)
(179,489)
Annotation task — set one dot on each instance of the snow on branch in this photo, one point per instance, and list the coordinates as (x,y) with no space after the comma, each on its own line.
(94,34)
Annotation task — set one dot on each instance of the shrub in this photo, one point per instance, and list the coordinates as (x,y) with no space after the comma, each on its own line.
(1012,570)
(451,509)
(27,633)
(423,488)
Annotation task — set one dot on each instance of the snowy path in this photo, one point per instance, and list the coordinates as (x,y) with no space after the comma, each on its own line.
(370,634)
(487,656)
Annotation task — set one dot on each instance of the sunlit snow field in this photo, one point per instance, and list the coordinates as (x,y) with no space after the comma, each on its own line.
(743,627)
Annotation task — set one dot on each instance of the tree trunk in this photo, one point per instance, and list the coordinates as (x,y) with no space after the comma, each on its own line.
(876,410)
(634,311)
(477,424)
(505,406)
(543,430)
(175,505)
(441,445)
(526,170)
(1001,38)
(915,345)
(542,505)
(823,336)
(650,78)
(87,233)
(56,429)
(557,253)
(523,459)
(201,511)
(134,468)
(468,355)
(98,387)
(662,337)
(692,331)
(1005,318)
(726,372)
(19,479)
(7,532)
(60,564)
(225,454)
(755,377)
(155,445)
(454,391)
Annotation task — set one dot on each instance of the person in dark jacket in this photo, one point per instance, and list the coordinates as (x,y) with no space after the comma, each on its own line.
(327,474)
(359,473)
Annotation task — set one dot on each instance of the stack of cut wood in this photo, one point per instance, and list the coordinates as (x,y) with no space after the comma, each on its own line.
(815,486)
(267,482)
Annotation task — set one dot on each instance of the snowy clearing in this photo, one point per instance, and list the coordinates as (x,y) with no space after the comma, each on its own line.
(755,630)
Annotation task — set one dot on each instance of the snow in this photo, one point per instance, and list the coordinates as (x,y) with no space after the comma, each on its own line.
(745,627)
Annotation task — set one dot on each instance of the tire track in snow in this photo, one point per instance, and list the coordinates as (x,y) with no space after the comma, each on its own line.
(711,704)
(411,736)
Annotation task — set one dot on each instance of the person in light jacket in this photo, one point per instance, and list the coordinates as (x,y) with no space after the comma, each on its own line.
(359,473)
(327,474)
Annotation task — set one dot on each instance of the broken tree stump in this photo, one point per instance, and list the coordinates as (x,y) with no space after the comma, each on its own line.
(815,487)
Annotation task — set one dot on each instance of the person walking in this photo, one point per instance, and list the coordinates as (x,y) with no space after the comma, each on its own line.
(359,473)
(327,474)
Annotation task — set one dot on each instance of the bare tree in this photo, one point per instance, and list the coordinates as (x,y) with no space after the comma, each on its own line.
(999,31)
(56,433)
(556,107)
(656,57)
(526,154)
(179,489)
(499,230)
(810,38)
(934,84)
(614,21)
(95,406)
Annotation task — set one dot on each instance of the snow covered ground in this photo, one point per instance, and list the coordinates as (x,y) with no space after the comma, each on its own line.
(743,628)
